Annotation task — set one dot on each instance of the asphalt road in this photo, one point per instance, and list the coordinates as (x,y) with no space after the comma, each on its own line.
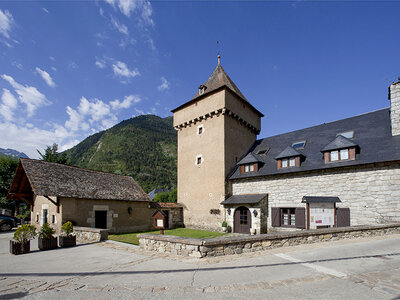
(366,268)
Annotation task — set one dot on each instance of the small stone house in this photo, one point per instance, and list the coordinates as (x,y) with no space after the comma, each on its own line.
(58,193)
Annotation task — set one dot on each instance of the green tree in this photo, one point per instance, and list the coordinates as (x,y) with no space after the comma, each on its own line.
(166,197)
(8,166)
(51,155)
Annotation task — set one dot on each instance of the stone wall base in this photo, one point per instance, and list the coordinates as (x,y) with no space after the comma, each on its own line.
(236,245)
(85,235)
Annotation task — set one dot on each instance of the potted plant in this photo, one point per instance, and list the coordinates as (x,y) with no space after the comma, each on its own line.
(66,239)
(224,226)
(22,236)
(46,239)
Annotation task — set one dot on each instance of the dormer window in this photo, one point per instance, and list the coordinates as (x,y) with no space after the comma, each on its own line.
(342,154)
(248,168)
(290,157)
(341,148)
(202,89)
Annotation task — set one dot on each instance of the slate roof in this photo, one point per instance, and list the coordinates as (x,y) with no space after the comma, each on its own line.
(52,179)
(244,199)
(339,142)
(249,158)
(288,152)
(319,199)
(372,134)
(154,192)
(219,80)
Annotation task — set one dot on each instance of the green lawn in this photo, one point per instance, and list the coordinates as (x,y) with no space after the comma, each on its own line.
(131,238)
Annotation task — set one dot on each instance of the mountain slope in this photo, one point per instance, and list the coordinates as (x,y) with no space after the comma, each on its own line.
(12,152)
(143,147)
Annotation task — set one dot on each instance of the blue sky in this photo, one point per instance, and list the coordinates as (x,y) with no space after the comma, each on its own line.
(71,68)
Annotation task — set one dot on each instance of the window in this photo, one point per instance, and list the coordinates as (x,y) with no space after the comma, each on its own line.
(37,218)
(337,155)
(243,217)
(347,134)
(263,151)
(284,163)
(200,129)
(299,145)
(45,211)
(53,219)
(292,162)
(199,160)
(248,168)
(288,216)
(288,162)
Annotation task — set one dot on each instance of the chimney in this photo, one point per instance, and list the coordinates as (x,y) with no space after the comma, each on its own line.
(394,97)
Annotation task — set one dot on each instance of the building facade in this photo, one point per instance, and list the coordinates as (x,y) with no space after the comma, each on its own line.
(341,173)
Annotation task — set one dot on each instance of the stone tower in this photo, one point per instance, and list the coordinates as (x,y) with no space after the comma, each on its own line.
(394,97)
(215,129)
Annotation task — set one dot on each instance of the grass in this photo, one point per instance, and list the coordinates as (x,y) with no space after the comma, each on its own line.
(131,238)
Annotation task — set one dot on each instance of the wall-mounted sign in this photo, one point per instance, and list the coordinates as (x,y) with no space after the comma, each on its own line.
(321,214)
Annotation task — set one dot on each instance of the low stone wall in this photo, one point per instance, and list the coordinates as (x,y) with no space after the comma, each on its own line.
(85,235)
(242,244)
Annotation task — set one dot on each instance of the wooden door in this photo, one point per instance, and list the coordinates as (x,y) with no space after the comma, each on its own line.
(242,220)
(100,219)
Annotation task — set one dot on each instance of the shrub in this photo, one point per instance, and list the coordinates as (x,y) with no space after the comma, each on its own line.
(46,231)
(224,224)
(25,233)
(67,228)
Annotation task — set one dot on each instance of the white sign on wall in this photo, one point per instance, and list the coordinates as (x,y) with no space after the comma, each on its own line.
(160,223)
(321,214)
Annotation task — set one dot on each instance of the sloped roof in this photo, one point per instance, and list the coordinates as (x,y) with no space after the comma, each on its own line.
(217,79)
(52,179)
(288,152)
(244,199)
(249,158)
(372,134)
(319,199)
(339,142)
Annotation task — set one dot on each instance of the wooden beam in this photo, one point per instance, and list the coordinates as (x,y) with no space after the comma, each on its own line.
(18,195)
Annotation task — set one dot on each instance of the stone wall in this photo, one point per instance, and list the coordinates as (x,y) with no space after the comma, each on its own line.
(371,192)
(395,107)
(85,235)
(236,245)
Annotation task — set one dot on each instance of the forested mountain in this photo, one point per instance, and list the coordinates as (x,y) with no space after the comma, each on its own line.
(12,152)
(143,147)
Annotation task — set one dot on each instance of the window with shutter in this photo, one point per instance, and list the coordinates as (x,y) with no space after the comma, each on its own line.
(300,217)
(276,216)
(342,217)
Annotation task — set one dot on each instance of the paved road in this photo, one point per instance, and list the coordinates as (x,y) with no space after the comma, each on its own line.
(352,269)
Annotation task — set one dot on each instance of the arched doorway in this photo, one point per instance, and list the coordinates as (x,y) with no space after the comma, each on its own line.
(242,220)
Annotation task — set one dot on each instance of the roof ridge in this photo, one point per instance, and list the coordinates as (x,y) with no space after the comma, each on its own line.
(76,167)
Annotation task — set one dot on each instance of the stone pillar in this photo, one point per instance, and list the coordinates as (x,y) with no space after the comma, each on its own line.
(394,97)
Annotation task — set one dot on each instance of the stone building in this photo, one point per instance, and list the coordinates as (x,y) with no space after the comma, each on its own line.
(58,193)
(340,173)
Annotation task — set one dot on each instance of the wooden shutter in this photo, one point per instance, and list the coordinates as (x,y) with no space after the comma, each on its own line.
(300,215)
(342,217)
(242,169)
(276,216)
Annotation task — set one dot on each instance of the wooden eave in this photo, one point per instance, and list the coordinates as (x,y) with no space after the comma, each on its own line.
(20,188)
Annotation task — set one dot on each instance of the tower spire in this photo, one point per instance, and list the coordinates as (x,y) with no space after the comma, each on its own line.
(219,59)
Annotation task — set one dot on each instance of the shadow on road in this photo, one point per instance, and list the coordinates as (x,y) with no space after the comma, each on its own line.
(99,273)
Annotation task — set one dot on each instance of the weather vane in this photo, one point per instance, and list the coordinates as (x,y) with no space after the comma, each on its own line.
(219,51)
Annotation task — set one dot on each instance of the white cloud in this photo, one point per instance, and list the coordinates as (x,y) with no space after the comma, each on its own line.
(46,77)
(45,10)
(54,69)
(126,103)
(120,27)
(140,112)
(101,64)
(72,65)
(6,22)
(17,65)
(52,58)
(164,84)
(29,95)
(121,69)
(8,106)
(101,11)
(143,8)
